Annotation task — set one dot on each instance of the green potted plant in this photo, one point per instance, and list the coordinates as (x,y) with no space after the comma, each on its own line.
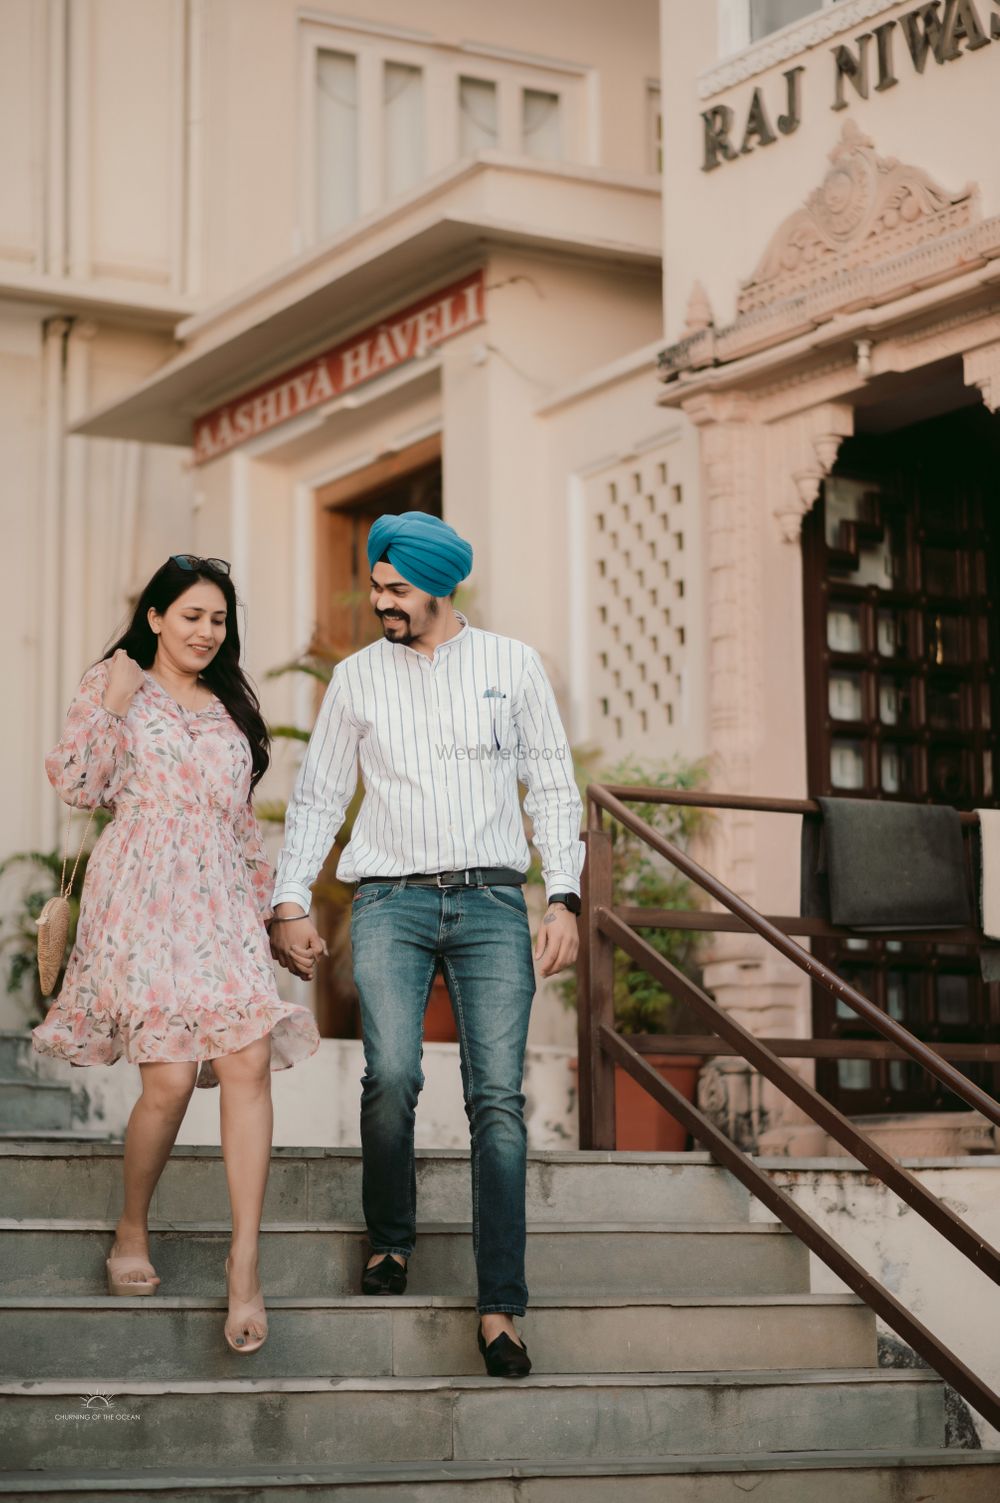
(642,879)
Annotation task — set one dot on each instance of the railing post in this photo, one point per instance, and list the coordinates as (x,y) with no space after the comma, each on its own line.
(595,998)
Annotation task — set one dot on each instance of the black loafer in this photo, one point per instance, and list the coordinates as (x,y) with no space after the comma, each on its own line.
(387,1277)
(503,1357)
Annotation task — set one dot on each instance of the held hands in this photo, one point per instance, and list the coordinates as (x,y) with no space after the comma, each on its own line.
(295,942)
(558,940)
(125,678)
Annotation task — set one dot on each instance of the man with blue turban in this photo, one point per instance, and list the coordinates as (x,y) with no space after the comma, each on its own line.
(443,719)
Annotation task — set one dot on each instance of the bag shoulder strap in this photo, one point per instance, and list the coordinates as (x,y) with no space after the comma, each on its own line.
(64,890)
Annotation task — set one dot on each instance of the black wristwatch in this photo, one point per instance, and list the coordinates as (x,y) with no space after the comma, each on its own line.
(570,899)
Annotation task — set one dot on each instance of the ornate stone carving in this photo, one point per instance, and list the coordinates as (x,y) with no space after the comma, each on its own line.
(730,1095)
(802,448)
(874,230)
(699,314)
(731,454)
(982,369)
(790,41)
(867,209)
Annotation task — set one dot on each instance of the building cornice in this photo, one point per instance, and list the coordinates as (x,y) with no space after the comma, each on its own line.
(897,337)
(636,362)
(789,42)
(287,323)
(430,196)
(129,302)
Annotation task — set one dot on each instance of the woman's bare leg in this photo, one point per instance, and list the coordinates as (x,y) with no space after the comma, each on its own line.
(247,1122)
(150,1135)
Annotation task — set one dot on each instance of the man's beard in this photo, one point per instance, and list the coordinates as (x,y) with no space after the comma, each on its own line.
(406,635)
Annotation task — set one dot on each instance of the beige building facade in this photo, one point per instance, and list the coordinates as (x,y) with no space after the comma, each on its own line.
(687,319)
(269,269)
(831,274)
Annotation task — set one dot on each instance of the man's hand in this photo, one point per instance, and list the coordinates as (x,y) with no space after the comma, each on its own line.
(295,942)
(558,940)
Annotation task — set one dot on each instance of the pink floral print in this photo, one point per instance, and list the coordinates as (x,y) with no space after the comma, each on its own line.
(171,960)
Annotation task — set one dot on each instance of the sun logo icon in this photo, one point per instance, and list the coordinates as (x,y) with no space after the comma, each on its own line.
(99,1400)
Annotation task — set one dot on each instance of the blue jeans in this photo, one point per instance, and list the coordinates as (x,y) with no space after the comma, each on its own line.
(479,938)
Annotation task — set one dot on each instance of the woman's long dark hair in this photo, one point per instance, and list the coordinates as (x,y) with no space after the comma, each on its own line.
(223,674)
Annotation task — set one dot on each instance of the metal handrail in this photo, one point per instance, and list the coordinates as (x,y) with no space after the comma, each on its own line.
(601,1047)
(918,1051)
(945,1362)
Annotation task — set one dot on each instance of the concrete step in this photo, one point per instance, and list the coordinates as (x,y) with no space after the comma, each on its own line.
(34,1104)
(58,1257)
(164,1338)
(915,1476)
(20,1136)
(17,1054)
(324,1184)
(601,1417)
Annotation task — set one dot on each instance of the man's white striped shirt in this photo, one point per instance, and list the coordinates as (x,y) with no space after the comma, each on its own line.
(441,743)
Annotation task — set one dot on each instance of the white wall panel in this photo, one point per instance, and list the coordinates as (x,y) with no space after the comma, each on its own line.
(21,138)
(126,62)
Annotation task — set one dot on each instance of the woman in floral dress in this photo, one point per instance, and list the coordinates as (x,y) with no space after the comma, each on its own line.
(171,966)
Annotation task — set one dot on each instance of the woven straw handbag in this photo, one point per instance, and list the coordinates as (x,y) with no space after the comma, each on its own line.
(53,921)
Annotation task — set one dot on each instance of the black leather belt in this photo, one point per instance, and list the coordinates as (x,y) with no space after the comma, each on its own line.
(472,876)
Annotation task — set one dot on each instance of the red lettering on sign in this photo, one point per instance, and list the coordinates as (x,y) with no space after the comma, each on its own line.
(405,336)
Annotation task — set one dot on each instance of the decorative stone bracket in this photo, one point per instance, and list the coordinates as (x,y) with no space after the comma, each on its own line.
(982,369)
(801,453)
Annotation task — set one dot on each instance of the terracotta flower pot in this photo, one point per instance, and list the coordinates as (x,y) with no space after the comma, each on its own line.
(640,1123)
(439,1020)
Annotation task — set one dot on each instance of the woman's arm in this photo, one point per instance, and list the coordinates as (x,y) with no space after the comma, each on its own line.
(93,759)
(248,832)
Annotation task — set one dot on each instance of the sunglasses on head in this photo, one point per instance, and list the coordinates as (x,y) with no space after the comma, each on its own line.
(192,562)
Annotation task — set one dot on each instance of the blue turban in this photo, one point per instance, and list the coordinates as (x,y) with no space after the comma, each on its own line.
(426,551)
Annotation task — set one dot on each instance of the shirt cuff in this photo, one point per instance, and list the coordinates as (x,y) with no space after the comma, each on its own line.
(292,892)
(559,882)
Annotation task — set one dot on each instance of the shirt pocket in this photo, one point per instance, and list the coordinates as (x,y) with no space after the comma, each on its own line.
(495,725)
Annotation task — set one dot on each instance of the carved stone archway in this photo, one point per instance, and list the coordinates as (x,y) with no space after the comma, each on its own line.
(852,285)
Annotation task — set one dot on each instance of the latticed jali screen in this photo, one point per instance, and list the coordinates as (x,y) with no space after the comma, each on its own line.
(640,521)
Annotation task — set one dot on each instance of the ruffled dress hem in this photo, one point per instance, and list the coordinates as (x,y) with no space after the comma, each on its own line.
(294,1037)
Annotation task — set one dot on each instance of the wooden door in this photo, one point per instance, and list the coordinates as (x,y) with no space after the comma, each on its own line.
(900,567)
(346,509)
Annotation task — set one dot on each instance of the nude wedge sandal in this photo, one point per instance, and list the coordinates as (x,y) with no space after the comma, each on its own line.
(128,1263)
(240,1313)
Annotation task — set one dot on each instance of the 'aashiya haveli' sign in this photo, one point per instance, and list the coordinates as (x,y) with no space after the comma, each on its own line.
(944,30)
(404,336)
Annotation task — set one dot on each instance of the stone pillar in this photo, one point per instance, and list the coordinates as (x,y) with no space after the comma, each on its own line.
(758,467)
(801,451)
(982,369)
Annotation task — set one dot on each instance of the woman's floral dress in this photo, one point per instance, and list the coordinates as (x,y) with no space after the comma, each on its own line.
(172,960)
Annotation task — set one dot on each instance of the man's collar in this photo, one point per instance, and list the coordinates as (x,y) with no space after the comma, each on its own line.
(458,635)
(450,642)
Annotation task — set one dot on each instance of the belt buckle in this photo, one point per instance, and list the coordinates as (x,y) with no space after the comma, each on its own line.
(442,885)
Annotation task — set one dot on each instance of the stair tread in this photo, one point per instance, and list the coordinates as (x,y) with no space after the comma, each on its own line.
(426,1228)
(444,1155)
(156,1478)
(22,1139)
(366,1303)
(775,1377)
(35,1083)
